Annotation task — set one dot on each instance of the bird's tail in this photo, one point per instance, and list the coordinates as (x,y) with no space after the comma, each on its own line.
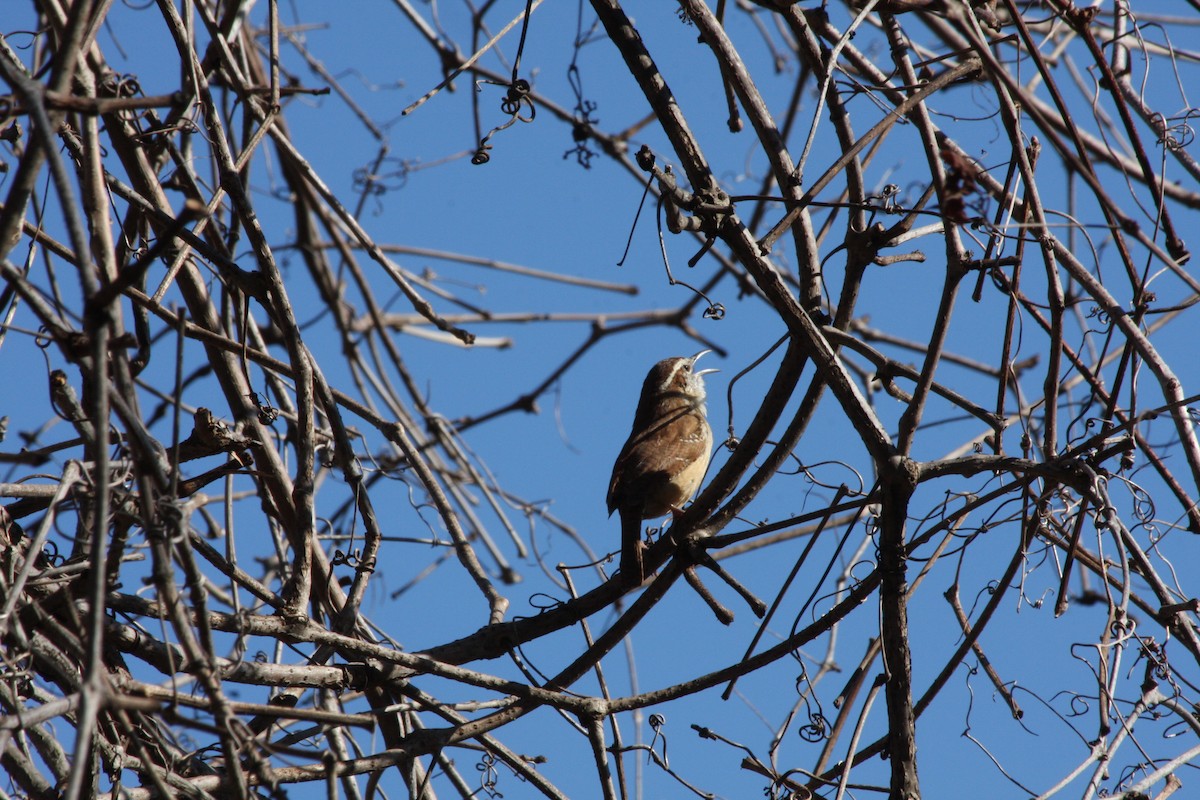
(632,569)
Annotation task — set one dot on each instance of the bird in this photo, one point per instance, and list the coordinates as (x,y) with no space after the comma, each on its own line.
(665,458)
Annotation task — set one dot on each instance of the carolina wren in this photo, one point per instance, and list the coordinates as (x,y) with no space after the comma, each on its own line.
(661,465)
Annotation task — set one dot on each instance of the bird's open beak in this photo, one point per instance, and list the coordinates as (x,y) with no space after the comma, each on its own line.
(696,358)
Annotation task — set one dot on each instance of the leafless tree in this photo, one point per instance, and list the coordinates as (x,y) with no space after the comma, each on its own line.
(267,446)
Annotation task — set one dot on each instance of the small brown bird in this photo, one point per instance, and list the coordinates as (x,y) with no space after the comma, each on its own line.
(661,465)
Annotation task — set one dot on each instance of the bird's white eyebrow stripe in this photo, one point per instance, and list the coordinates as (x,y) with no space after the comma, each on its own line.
(671,375)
